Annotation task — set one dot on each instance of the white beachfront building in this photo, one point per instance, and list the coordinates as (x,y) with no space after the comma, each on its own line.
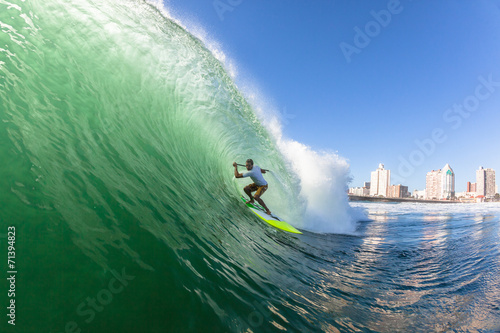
(440,184)
(380,181)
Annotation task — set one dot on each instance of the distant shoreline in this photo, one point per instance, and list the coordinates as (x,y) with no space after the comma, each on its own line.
(384,199)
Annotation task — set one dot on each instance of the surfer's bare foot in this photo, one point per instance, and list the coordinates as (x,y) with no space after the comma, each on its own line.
(268,212)
(250,201)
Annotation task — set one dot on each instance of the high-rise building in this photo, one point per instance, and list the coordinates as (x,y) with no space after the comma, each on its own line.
(485,179)
(380,180)
(433,184)
(440,184)
(471,187)
(397,191)
(447,182)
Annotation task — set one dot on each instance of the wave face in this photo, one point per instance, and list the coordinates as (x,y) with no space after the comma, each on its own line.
(118,130)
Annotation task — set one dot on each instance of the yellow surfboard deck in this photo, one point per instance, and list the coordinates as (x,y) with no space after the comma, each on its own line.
(271,219)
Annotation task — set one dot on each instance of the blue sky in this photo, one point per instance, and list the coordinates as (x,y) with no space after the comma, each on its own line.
(411,84)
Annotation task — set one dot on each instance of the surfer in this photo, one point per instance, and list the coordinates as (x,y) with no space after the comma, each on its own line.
(259,183)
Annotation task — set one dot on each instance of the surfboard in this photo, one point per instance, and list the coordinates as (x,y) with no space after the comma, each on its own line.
(271,219)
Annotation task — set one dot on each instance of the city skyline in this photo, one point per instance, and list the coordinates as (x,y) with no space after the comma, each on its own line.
(460,184)
(440,184)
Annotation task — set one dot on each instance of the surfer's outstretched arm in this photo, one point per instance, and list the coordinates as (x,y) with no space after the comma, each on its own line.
(236,173)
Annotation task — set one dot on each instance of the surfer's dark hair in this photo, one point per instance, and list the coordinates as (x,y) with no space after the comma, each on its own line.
(250,161)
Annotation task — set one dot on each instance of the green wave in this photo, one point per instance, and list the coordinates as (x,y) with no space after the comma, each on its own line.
(118,131)
(114,97)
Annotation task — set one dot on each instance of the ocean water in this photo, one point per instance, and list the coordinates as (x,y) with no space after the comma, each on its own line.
(118,129)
